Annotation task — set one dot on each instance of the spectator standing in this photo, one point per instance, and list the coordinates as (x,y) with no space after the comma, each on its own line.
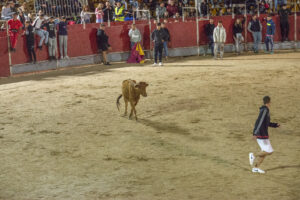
(14,27)
(270,34)
(99,13)
(85,16)
(160,10)
(29,34)
(22,18)
(237,34)
(119,13)
(284,22)
(158,36)
(103,45)
(209,31)
(108,12)
(63,38)
(44,35)
(255,28)
(172,8)
(135,35)
(51,28)
(166,42)
(219,39)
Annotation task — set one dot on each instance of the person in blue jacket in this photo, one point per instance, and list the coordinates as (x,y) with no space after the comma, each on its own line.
(270,34)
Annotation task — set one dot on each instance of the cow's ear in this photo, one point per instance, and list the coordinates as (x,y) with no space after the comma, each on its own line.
(137,86)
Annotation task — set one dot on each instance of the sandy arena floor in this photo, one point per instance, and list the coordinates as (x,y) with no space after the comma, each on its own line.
(62,137)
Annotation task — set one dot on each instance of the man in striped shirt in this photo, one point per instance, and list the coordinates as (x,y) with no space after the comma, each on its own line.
(261,135)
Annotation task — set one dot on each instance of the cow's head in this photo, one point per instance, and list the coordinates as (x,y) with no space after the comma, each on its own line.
(142,87)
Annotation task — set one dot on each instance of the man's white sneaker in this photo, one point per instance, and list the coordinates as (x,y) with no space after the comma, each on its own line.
(154,64)
(251,158)
(67,57)
(160,64)
(257,170)
(61,57)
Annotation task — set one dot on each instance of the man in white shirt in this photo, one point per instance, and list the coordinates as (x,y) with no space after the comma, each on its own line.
(135,35)
(44,35)
(219,39)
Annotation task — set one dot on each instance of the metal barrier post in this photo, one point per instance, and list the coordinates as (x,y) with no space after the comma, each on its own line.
(295,26)
(150,46)
(8,44)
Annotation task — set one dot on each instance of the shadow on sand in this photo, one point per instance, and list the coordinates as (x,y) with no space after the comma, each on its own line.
(283,167)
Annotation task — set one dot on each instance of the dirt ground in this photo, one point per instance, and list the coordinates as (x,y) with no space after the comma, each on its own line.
(62,137)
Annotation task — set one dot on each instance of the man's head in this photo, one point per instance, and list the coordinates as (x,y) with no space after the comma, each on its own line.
(220,23)
(158,26)
(118,4)
(142,87)
(63,18)
(211,21)
(267,101)
(15,16)
(40,12)
(172,2)
(269,17)
(162,5)
(254,17)
(284,6)
(133,26)
(107,4)
(42,16)
(51,19)
(163,24)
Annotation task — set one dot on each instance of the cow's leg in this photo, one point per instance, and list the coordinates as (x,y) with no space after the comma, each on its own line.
(132,109)
(126,106)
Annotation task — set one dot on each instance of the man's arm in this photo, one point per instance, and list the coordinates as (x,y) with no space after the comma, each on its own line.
(274,125)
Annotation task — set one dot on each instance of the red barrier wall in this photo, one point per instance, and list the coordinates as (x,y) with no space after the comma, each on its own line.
(4,62)
(82,42)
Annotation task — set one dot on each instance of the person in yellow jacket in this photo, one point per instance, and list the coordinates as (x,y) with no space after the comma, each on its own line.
(119,12)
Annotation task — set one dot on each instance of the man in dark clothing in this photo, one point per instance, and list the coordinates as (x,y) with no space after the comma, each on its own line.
(158,36)
(29,34)
(52,42)
(167,33)
(209,31)
(261,135)
(255,28)
(103,45)
(284,22)
(108,12)
(63,38)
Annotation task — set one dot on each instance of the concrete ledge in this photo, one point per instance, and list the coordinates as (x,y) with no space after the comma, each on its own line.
(123,56)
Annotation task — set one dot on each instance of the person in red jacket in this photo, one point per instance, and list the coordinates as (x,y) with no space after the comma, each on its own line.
(14,27)
(172,9)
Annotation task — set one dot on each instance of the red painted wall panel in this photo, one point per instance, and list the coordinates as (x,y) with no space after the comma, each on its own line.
(4,62)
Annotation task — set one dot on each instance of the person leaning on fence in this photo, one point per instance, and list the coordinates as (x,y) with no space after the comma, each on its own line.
(158,36)
(270,34)
(85,16)
(168,39)
(219,40)
(284,23)
(14,27)
(29,34)
(51,28)
(135,35)
(63,38)
(44,35)
(160,10)
(108,12)
(119,12)
(102,42)
(209,31)
(237,34)
(99,13)
(6,13)
(255,28)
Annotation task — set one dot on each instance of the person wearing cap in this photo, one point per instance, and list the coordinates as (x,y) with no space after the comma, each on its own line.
(14,27)
(219,39)
(63,38)
(29,34)
(51,28)
(284,22)
(44,35)
(102,42)
(119,12)
(270,35)
(158,36)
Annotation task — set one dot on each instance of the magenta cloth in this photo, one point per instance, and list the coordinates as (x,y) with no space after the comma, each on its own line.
(135,56)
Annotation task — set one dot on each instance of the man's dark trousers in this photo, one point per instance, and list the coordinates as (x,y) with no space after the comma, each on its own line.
(158,49)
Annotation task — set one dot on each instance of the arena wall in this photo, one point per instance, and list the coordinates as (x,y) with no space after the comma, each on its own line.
(82,47)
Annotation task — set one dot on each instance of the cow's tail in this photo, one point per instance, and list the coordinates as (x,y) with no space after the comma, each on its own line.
(118,102)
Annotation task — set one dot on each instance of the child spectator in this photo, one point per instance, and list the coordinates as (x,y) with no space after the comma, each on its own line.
(270,34)
(51,28)
(103,45)
(219,39)
(14,26)
(99,13)
(85,16)
(63,38)
(37,24)
(29,34)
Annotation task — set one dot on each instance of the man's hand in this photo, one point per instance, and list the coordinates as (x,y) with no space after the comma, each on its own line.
(278,125)
(254,137)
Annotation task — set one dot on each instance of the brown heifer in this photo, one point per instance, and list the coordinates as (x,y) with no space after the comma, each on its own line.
(131,92)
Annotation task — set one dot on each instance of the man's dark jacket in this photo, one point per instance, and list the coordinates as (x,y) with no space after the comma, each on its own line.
(262,123)
(159,36)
